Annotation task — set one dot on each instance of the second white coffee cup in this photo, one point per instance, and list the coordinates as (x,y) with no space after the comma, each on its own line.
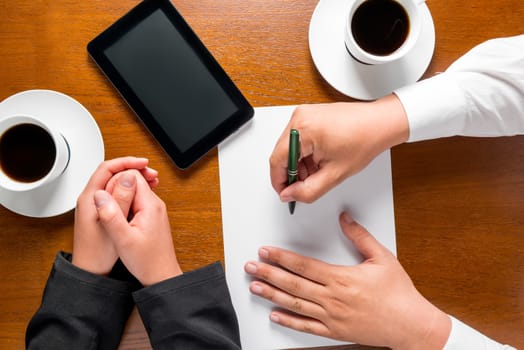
(32,153)
(382,31)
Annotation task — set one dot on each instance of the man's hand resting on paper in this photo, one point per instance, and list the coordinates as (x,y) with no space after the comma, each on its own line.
(374,303)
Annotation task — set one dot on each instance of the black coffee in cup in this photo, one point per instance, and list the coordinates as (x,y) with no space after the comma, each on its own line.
(380,27)
(27,152)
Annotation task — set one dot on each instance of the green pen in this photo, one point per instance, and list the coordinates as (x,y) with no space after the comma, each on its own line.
(292,165)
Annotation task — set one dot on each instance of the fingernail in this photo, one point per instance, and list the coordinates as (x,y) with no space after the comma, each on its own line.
(151,170)
(263,253)
(251,268)
(347,219)
(256,289)
(274,318)
(286,198)
(127,180)
(101,198)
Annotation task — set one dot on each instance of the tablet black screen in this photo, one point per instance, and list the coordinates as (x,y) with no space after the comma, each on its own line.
(170,79)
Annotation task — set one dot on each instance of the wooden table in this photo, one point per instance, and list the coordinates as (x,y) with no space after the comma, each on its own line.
(459,202)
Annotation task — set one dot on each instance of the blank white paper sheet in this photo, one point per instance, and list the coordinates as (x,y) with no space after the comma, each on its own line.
(253,216)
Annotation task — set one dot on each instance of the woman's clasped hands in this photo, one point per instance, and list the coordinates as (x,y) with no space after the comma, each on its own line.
(119,216)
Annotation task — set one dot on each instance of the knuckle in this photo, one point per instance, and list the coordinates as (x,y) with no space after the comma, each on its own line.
(353,292)
(341,281)
(300,112)
(274,255)
(79,201)
(307,327)
(301,118)
(107,216)
(299,266)
(294,286)
(161,206)
(309,195)
(336,307)
(123,194)
(104,165)
(263,273)
(273,161)
(83,200)
(359,232)
(296,305)
(269,294)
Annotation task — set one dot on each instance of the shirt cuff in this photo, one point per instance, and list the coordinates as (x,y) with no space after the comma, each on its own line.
(435,107)
(187,279)
(190,311)
(64,265)
(463,337)
(79,310)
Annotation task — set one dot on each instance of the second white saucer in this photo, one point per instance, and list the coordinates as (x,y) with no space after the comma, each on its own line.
(355,79)
(85,142)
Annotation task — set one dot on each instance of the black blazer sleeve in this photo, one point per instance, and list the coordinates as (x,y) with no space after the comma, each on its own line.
(80,310)
(191,311)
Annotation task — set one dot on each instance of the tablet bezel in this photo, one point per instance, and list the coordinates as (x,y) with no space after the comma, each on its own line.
(183,160)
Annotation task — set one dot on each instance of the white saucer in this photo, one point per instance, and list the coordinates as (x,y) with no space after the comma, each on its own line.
(86,145)
(352,78)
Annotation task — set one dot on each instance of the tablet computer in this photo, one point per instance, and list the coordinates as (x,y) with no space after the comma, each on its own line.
(170,80)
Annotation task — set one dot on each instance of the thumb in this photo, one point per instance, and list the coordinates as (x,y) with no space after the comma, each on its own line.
(110,215)
(366,244)
(312,187)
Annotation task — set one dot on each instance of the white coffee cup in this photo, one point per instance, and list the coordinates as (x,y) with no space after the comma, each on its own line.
(385,29)
(32,153)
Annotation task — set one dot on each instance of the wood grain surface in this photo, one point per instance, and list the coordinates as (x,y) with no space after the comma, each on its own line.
(459,202)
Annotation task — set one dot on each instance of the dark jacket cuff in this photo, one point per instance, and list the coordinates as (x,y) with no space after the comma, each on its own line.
(190,311)
(79,310)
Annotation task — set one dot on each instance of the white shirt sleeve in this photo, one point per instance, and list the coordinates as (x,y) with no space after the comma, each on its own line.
(463,337)
(480,94)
